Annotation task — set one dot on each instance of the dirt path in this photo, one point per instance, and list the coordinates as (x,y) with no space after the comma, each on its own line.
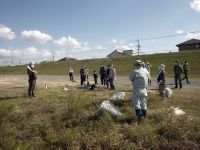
(7,81)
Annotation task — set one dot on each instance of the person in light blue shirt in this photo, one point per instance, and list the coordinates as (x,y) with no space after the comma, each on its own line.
(139,79)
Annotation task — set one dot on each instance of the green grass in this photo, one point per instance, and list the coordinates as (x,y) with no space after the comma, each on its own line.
(57,119)
(123,65)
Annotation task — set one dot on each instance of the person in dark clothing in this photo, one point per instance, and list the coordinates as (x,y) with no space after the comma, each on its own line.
(71,74)
(82,75)
(102,73)
(185,71)
(161,80)
(95,76)
(32,79)
(178,70)
(107,76)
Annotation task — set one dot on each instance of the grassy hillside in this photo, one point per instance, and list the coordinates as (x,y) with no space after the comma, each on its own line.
(123,65)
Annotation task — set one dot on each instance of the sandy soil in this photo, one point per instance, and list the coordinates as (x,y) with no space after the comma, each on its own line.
(17,81)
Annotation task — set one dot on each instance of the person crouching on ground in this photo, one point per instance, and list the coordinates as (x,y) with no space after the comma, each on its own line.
(95,76)
(161,81)
(32,79)
(139,80)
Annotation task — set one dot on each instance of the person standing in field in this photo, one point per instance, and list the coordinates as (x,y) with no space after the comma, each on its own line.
(139,79)
(161,81)
(71,74)
(148,67)
(95,76)
(82,75)
(147,72)
(107,76)
(178,70)
(112,77)
(87,72)
(32,79)
(185,71)
(102,73)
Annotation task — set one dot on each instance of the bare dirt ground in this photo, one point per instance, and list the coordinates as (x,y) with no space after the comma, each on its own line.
(21,81)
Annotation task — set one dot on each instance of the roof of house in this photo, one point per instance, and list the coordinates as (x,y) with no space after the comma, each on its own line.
(119,52)
(192,41)
(115,51)
(66,58)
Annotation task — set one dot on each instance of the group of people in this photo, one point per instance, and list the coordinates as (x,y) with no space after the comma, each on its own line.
(140,78)
(178,71)
(107,76)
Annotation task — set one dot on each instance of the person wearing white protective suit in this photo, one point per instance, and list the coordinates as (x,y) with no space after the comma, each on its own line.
(139,79)
(32,79)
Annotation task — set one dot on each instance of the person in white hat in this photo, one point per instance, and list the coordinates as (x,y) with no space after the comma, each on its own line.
(161,81)
(139,80)
(32,79)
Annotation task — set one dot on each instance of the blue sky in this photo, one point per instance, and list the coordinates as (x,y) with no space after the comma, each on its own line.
(34,29)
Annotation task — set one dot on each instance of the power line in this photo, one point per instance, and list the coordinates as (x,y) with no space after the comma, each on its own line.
(110,46)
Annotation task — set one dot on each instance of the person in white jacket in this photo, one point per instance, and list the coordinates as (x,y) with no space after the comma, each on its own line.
(139,79)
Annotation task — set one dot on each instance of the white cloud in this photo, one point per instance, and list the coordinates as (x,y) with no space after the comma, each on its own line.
(195,5)
(6,33)
(124,47)
(100,47)
(192,36)
(72,43)
(179,32)
(30,52)
(35,35)
(114,41)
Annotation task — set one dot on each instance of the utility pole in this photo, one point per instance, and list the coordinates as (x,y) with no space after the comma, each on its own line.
(138,47)
(53,56)
(12,61)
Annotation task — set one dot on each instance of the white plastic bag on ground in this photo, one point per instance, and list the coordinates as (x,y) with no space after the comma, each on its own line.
(108,107)
(118,96)
(177,111)
(66,89)
(168,92)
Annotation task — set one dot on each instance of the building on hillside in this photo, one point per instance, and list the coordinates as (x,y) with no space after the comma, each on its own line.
(190,45)
(120,53)
(67,58)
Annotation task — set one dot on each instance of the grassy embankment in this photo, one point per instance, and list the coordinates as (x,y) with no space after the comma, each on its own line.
(58,119)
(123,65)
